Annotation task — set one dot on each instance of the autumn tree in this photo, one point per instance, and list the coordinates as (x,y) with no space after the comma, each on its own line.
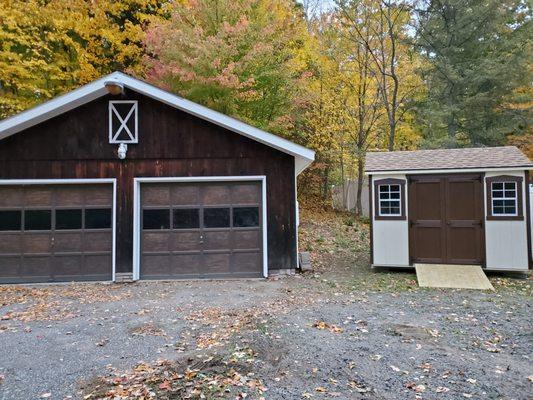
(49,47)
(381,27)
(240,57)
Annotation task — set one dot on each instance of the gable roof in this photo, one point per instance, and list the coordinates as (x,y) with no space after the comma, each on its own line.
(303,157)
(443,159)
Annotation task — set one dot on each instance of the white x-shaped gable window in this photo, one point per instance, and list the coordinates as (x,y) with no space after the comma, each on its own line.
(123,121)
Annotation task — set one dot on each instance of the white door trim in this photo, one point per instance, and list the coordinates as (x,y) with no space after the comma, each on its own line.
(113,181)
(137,203)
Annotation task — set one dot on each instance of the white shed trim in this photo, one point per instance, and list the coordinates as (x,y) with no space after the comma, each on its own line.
(303,157)
(137,209)
(447,171)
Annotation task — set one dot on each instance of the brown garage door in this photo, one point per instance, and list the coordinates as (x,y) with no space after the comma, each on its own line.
(446,215)
(207,230)
(54,233)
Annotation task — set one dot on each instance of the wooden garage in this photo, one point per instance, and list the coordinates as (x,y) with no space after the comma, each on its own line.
(120,178)
(452,206)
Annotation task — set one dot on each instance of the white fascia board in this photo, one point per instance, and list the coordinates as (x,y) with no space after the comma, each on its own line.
(448,171)
(303,156)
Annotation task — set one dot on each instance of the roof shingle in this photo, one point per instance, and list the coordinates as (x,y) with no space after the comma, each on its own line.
(469,158)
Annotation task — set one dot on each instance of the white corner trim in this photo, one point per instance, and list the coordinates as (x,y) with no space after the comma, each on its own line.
(303,156)
(113,181)
(137,209)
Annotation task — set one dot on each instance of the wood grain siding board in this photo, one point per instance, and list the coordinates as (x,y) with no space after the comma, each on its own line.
(171,143)
(519,196)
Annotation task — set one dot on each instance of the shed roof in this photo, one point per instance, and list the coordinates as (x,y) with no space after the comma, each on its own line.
(445,159)
(303,157)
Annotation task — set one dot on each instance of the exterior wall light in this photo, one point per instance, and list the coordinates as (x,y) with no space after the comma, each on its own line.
(122,150)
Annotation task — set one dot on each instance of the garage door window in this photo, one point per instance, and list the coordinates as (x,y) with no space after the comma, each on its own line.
(245,217)
(37,220)
(216,217)
(10,220)
(68,219)
(98,218)
(186,218)
(156,219)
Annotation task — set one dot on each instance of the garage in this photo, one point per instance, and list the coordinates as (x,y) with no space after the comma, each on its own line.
(197,194)
(207,229)
(56,232)
(451,207)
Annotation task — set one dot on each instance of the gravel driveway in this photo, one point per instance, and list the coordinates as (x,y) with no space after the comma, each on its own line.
(311,337)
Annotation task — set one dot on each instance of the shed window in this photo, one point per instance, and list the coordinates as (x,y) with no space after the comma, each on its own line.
(389,200)
(504,198)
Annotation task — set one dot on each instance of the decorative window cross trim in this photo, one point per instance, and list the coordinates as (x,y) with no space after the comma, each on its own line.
(114,114)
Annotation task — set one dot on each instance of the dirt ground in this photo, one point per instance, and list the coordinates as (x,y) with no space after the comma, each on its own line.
(342,332)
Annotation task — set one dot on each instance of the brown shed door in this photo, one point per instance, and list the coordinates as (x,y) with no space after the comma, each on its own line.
(446,219)
(55,233)
(201,230)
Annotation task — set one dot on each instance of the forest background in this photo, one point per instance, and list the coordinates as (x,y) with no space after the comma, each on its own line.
(342,77)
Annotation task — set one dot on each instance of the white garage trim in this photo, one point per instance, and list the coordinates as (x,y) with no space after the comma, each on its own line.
(137,205)
(113,181)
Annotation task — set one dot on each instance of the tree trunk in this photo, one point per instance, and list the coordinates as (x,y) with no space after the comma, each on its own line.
(360,181)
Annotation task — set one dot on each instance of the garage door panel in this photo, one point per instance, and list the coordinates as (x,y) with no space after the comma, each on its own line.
(9,266)
(186,241)
(67,265)
(185,264)
(245,262)
(11,197)
(247,239)
(36,243)
(214,240)
(67,242)
(97,241)
(38,197)
(99,265)
(101,196)
(216,263)
(37,267)
(185,195)
(155,241)
(10,243)
(246,194)
(155,265)
(156,195)
(216,195)
(70,197)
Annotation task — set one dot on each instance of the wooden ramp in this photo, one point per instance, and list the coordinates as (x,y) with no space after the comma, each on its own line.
(452,276)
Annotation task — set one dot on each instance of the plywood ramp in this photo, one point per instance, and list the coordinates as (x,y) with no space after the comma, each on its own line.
(452,276)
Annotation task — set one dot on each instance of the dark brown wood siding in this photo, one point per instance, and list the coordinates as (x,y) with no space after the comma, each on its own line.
(171,143)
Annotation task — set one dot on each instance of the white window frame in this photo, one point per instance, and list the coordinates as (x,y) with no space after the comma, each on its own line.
(504,198)
(123,120)
(399,199)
